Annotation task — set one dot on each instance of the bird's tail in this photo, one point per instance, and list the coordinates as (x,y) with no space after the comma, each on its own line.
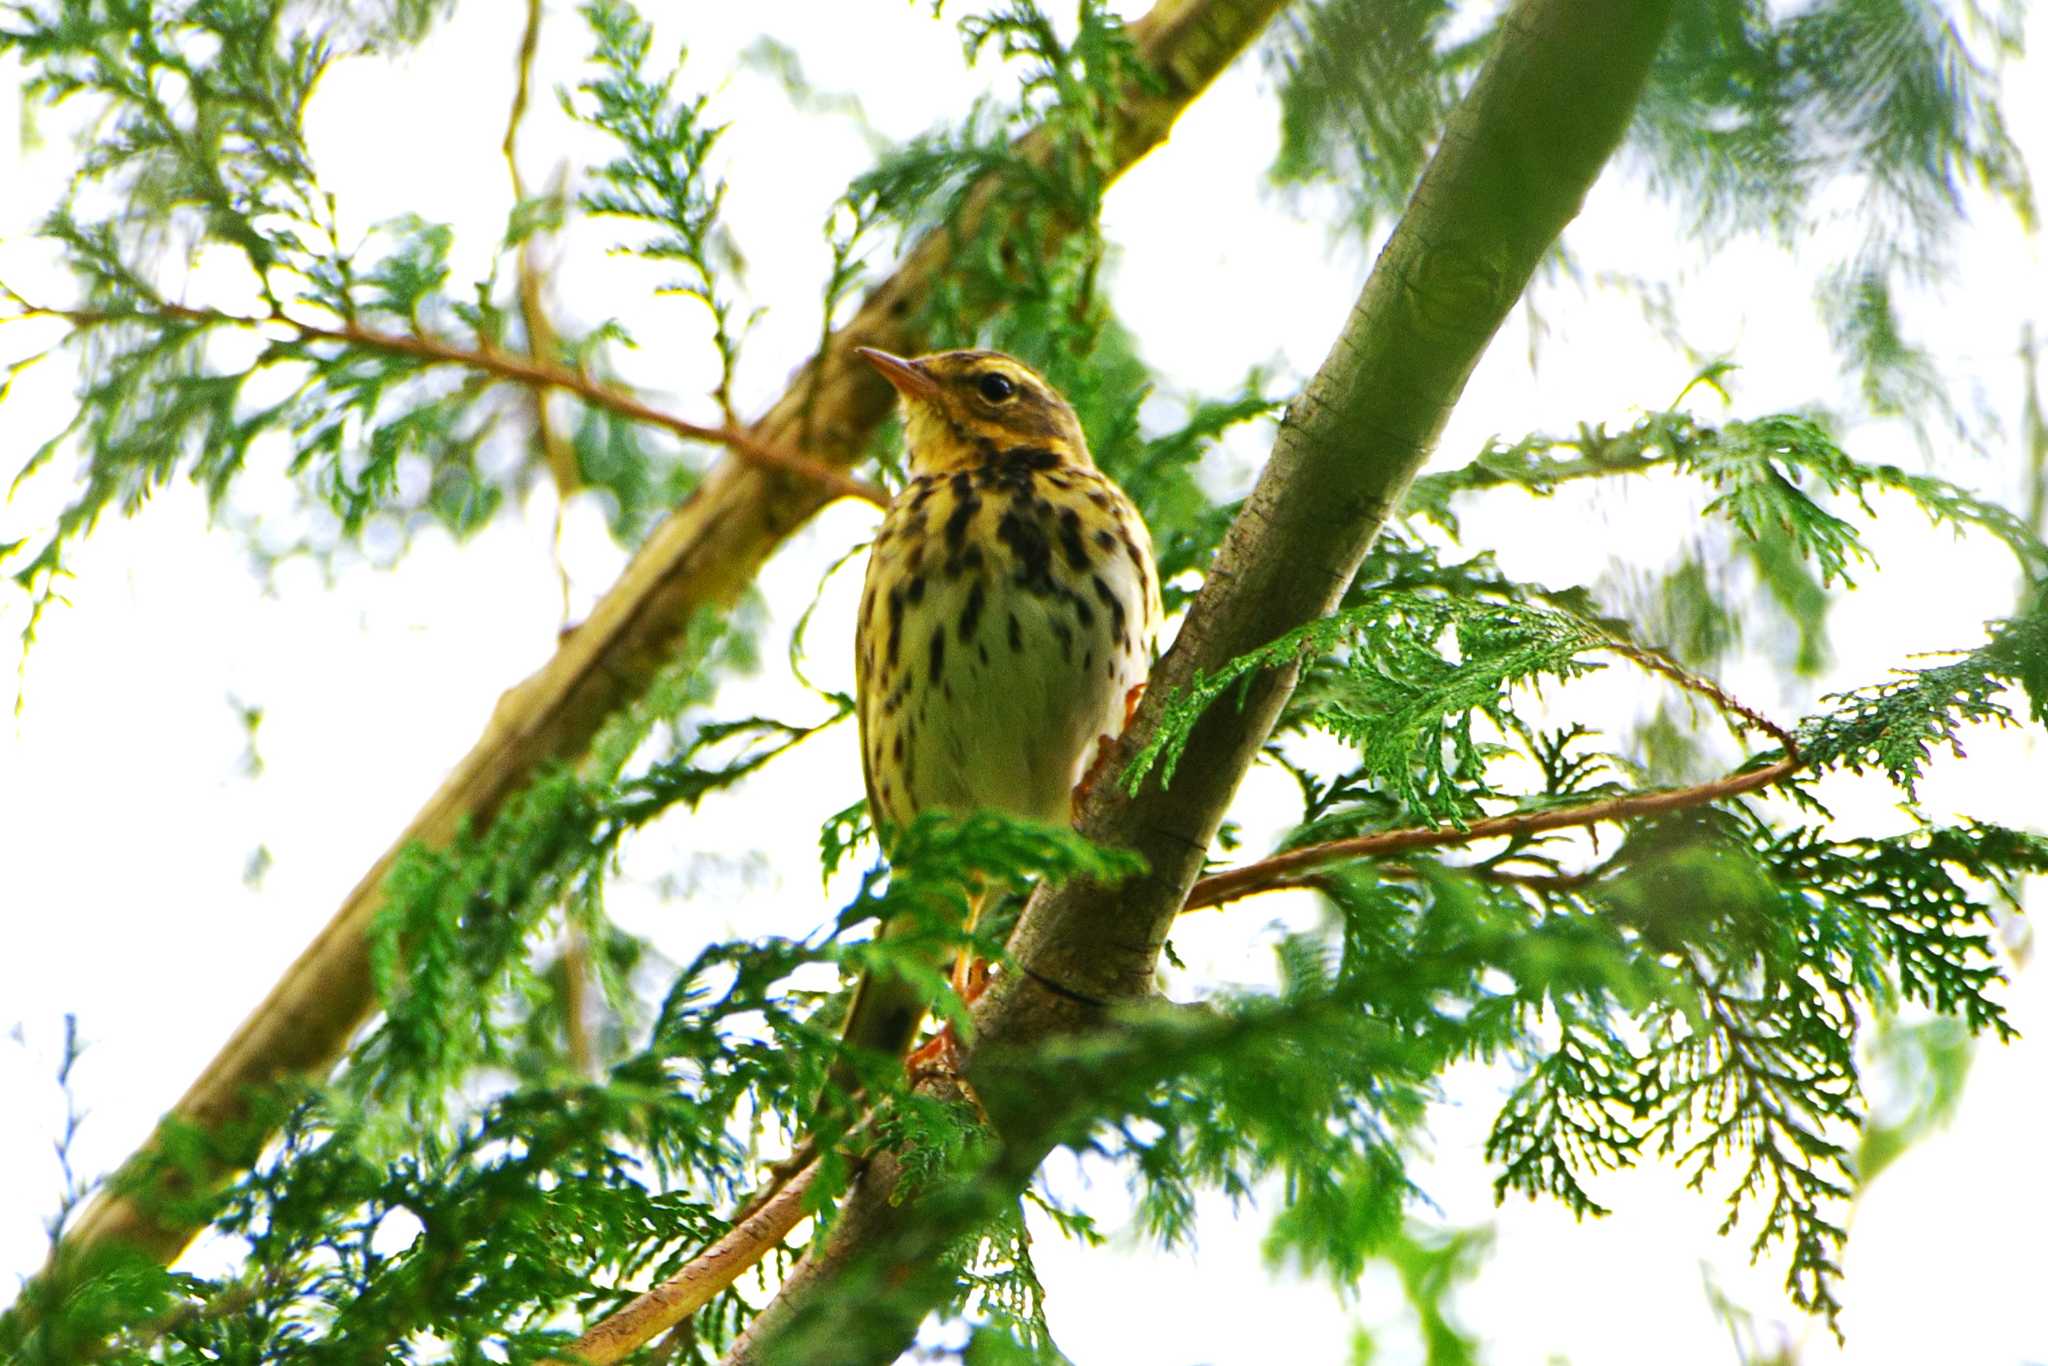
(887,1011)
(885,1015)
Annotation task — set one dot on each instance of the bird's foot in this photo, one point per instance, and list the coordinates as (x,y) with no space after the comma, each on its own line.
(939,1056)
(942,1055)
(970,977)
(1131,701)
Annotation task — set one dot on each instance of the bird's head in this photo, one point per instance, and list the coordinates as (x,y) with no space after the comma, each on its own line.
(962,408)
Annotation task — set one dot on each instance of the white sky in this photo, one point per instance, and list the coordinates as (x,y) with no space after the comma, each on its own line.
(126,817)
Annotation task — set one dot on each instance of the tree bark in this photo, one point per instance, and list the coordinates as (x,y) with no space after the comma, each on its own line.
(1516,160)
(699,559)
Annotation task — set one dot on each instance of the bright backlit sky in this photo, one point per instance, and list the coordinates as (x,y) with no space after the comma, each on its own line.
(129,812)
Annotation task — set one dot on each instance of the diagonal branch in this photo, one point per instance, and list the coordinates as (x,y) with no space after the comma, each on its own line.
(1289,869)
(1293,867)
(699,1282)
(532,371)
(699,559)
(1516,159)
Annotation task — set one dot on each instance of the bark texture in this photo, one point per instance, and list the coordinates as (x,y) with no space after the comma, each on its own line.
(700,558)
(1514,165)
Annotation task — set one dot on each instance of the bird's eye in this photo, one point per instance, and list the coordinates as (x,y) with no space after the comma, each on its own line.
(995,388)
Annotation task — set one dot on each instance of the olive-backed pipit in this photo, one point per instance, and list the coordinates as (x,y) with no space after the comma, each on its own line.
(1010,609)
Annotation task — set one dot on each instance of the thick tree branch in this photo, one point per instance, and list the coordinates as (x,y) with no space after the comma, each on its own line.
(701,557)
(1515,162)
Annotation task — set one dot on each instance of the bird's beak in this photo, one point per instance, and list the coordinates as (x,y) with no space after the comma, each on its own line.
(911,379)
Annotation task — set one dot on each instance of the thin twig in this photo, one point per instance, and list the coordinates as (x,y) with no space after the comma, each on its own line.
(1319,879)
(505,365)
(690,1289)
(2034,434)
(1508,877)
(760,1224)
(529,43)
(541,346)
(1656,662)
(575,1001)
(541,343)
(1285,870)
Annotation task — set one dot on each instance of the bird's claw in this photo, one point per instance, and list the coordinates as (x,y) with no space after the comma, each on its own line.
(970,977)
(1131,701)
(939,1056)
(942,1054)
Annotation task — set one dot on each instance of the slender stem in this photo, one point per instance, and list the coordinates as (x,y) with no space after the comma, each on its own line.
(1287,870)
(529,44)
(1408,872)
(505,365)
(575,964)
(2034,434)
(1659,663)
(708,1273)
(541,342)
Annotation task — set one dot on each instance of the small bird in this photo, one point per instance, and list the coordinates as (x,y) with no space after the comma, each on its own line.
(1009,615)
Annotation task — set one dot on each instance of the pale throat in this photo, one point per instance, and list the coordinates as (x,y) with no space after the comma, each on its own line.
(929,442)
(935,445)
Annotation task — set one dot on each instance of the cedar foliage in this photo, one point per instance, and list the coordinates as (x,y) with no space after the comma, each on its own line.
(1694,995)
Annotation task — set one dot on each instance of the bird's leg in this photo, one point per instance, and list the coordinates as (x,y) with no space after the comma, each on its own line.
(970,977)
(938,1056)
(942,1054)
(970,970)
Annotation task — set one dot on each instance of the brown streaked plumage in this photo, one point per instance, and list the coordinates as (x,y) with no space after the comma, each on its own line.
(1010,609)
